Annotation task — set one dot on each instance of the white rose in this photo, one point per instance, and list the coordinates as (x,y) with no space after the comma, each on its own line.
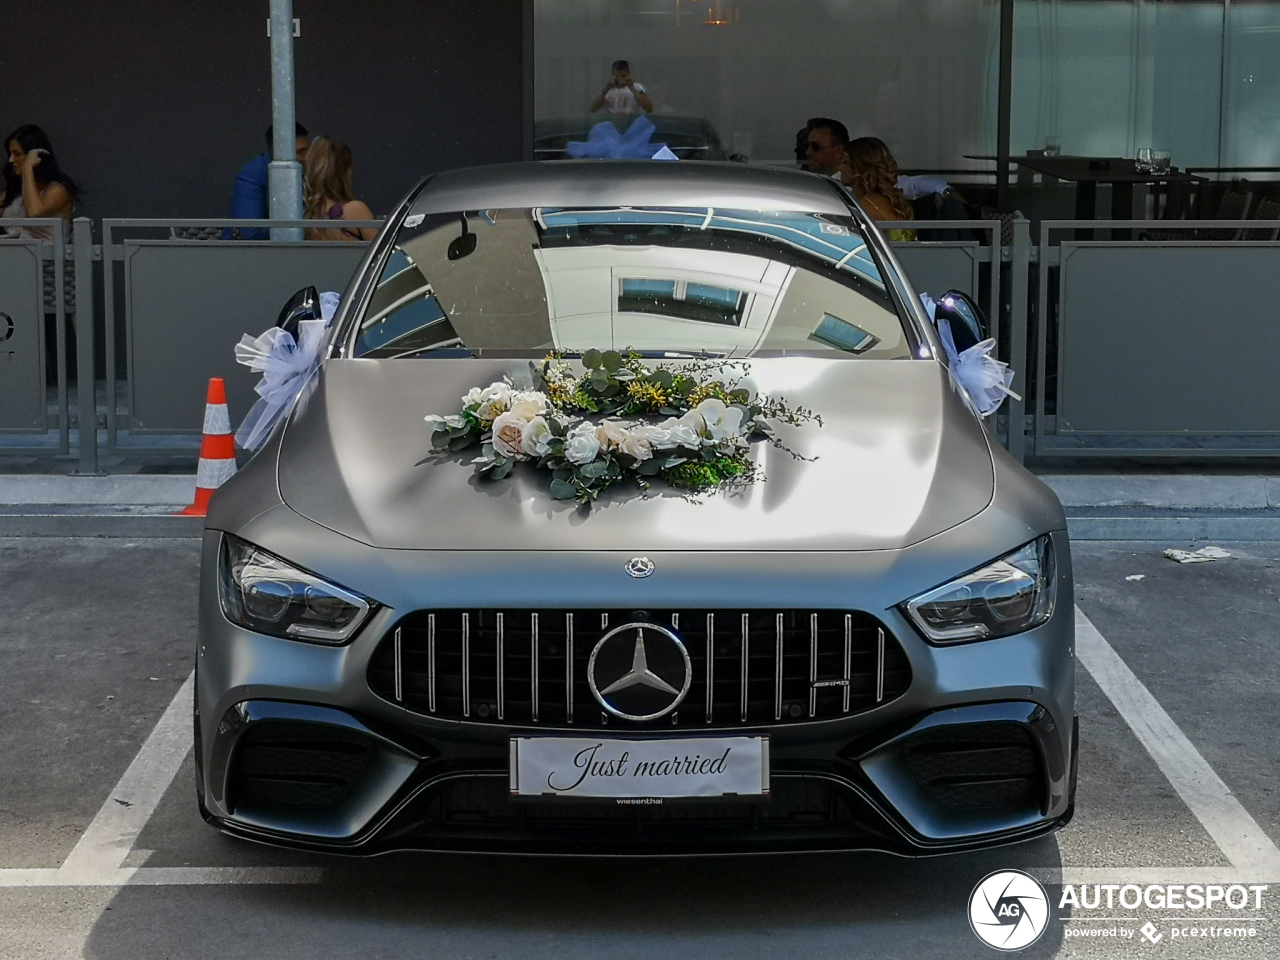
(534,436)
(612,433)
(529,404)
(723,422)
(677,433)
(472,398)
(636,446)
(494,399)
(508,431)
(581,444)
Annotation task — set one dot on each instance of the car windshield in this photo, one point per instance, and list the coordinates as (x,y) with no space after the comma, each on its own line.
(679,281)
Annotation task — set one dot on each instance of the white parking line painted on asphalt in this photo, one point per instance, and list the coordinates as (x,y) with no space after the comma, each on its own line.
(96,859)
(103,847)
(1235,832)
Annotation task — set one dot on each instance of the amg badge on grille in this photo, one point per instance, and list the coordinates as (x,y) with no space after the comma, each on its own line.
(639,567)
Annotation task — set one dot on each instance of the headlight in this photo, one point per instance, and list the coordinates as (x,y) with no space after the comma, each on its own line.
(263,593)
(1013,594)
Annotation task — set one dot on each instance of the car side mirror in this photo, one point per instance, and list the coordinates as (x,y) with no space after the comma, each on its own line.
(303,305)
(968,324)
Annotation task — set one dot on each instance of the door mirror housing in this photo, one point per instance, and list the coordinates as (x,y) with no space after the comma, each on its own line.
(303,305)
(968,324)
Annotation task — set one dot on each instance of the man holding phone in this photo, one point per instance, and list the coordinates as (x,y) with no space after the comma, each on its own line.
(622,95)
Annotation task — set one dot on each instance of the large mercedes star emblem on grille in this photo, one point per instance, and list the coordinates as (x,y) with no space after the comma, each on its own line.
(639,671)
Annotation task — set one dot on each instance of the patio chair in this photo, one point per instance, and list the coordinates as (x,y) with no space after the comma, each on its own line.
(1234,205)
(1266,210)
(195,233)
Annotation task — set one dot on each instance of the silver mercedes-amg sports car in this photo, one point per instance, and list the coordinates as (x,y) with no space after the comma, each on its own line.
(633,509)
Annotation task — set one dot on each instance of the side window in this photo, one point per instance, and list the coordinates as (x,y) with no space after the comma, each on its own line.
(404,315)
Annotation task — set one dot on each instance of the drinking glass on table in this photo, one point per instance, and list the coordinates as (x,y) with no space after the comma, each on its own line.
(1143,162)
(1160,161)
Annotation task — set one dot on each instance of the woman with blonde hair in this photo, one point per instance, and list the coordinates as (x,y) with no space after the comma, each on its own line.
(870,171)
(328,193)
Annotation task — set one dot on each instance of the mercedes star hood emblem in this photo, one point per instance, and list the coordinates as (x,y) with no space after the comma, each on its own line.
(639,567)
(639,671)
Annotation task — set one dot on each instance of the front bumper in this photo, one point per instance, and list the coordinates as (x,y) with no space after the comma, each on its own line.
(294,748)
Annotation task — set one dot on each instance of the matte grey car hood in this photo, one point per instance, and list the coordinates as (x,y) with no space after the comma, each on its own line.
(898,458)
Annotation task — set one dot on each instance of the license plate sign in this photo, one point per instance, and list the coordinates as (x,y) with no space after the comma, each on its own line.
(622,769)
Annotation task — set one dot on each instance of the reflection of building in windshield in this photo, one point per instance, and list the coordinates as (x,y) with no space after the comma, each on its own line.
(728,283)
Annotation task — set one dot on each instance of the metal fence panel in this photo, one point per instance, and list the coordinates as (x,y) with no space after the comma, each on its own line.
(1168,340)
(189,304)
(27,268)
(935,268)
(1163,347)
(22,392)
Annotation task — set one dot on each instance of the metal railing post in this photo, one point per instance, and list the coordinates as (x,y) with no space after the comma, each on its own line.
(1018,287)
(86,392)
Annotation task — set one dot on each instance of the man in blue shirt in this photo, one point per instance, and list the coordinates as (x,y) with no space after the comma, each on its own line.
(250,196)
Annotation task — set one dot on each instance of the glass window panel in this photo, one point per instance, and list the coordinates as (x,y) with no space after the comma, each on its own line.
(1251,121)
(742,76)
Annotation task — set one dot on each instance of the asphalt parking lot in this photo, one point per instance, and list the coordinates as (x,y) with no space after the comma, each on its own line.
(1177,772)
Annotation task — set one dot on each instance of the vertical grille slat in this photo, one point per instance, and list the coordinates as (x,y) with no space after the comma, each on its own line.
(879,664)
(568,667)
(533,666)
(813,664)
(777,670)
(848,659)
(711,666)
(431,662)
(399,670)
(466,664)
(504,666)
(501,669)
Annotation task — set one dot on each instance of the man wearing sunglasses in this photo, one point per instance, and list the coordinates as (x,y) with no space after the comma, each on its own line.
(824,152)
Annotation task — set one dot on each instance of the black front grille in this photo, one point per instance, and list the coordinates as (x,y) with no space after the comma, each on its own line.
(977,765)
(285,764)
(530,667)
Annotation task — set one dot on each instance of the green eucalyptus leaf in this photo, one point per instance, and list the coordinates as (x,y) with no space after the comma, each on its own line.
(740,394)
(649,468)
(591,359)
(564,472)
(610,390)
(599,379)
(460,443)
(662,378)
(685,386)
(612,360)
(502,470)
(594,470)
(563,490)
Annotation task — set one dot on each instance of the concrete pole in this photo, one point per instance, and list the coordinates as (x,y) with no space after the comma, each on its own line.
(284,175)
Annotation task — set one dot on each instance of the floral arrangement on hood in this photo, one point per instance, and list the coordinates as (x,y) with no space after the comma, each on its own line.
(597,428)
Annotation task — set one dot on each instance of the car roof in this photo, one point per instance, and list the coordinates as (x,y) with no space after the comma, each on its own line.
(639,183)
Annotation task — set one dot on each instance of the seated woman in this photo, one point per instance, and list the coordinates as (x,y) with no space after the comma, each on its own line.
(871,173)
(328,193)
(34,185)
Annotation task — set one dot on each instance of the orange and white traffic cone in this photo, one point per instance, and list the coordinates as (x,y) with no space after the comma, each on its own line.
(217,450)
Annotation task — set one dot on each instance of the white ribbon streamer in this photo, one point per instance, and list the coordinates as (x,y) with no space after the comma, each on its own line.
(984,378)
(286,365)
